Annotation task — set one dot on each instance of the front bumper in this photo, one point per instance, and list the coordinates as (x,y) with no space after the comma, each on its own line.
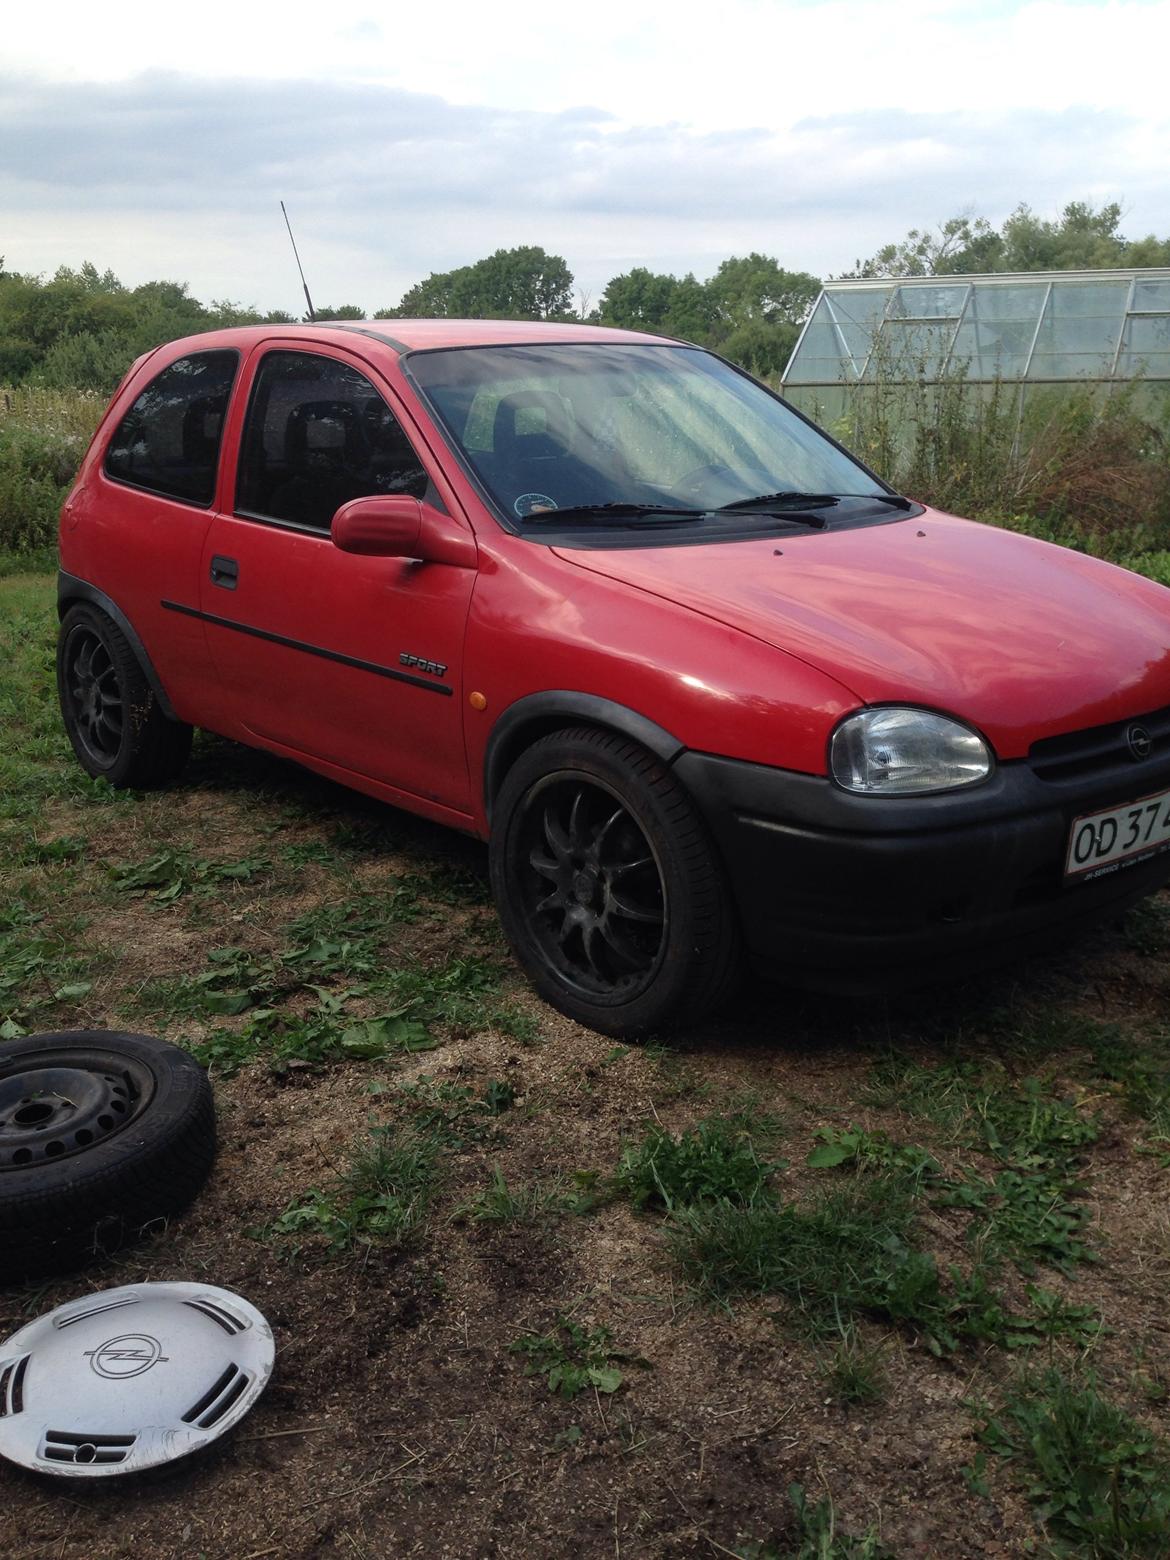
(855,893)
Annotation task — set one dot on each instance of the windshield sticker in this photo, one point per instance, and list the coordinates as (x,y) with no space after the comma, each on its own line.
(532,504)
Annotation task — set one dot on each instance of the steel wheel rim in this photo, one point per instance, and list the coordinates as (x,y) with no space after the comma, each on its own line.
(54,1104)
(590,888)
(94,695)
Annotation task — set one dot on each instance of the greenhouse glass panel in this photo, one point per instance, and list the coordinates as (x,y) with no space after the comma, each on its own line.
(928,303)
(911,349)
(1080,331)
(998,328)
(1146,349)
(825,357)
(840,335)
(1151,295)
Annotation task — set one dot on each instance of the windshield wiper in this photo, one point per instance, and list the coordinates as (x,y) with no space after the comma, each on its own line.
(794,507)
(783,501)
(890,498)
(616,511)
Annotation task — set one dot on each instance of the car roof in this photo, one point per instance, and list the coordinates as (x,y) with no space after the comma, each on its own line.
(420,335)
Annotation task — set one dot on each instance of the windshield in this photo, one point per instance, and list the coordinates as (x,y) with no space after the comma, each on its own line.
(659,431)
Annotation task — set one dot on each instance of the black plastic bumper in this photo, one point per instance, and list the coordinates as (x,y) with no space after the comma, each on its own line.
(858,893)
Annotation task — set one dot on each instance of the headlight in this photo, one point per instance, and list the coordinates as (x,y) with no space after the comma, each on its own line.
(905,752)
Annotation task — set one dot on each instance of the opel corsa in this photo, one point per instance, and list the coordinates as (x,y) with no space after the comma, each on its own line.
(711,691)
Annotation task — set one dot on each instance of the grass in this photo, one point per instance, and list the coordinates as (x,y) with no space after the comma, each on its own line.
(525,1202)
(715,1160)
(382,1195)
(1097,1479)
(856,1370)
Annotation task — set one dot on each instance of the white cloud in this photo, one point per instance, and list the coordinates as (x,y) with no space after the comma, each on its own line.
(160,143)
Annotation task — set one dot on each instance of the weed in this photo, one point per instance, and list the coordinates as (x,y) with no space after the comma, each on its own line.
(1027,1217)
(855,1370)
(382,1196)
(1097,1479)
(571,1358)
(1030,1129)
(870,1151)
(37,967)
(715,1160)
(530,1202)
(168,875)
(451,1111)
(816,1536)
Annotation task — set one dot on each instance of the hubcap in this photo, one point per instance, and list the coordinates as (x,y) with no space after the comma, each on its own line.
(94,695)
(52,1107)
(591,888)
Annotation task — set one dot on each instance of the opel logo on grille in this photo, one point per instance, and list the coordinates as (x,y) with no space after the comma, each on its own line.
(1139,742)
(130,1355)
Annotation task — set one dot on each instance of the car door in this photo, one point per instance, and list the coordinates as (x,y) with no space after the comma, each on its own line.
(318,650)
(146,516)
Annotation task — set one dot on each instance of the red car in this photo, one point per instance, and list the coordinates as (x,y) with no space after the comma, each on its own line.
(708,687)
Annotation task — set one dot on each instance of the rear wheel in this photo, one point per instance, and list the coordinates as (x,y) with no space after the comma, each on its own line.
(110,711)
(608,886)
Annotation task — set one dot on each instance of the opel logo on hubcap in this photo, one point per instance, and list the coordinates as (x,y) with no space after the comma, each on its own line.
(1140,743)
(132,1354)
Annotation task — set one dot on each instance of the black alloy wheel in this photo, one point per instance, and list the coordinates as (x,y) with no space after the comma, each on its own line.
(110,711)
(608,885)
(594,898)
(92,693)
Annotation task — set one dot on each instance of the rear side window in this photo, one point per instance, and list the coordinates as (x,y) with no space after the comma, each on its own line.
(168,442)
(318,434)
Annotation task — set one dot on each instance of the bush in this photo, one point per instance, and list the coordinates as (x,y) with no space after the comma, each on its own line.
(43,436)
(1074,466)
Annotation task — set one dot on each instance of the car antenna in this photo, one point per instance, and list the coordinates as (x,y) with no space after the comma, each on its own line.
(297,258)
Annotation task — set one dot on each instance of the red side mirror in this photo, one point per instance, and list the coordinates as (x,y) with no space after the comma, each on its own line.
(403,527)
(379,527)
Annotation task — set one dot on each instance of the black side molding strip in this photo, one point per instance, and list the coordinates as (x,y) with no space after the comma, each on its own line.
(299,644)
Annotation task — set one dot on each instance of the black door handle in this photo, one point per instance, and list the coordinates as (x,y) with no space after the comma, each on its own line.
(224,572)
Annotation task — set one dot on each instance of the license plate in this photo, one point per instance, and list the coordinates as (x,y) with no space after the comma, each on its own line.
(1102,842)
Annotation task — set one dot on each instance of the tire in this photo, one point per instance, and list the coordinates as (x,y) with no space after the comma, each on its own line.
(110,711)
(103,1137)
(609,888)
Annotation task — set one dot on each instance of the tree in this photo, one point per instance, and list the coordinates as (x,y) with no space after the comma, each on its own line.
(1082,238)
(760,309)
(517,284)
(342,311)
(756,287)
(663,304)
(960,246)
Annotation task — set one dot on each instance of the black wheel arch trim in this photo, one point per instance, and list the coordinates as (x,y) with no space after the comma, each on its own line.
(531,717)
(71,589)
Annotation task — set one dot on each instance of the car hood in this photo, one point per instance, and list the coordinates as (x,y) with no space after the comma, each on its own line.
(1021,638)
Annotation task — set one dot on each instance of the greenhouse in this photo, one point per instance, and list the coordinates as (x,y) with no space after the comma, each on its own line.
(1028,329)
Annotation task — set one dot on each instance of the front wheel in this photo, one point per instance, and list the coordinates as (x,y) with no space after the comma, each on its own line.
(608,886)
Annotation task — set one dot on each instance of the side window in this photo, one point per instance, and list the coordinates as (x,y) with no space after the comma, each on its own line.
(318,434)
(168,442)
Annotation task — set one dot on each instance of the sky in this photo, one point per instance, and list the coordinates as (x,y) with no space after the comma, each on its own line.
(159,140)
